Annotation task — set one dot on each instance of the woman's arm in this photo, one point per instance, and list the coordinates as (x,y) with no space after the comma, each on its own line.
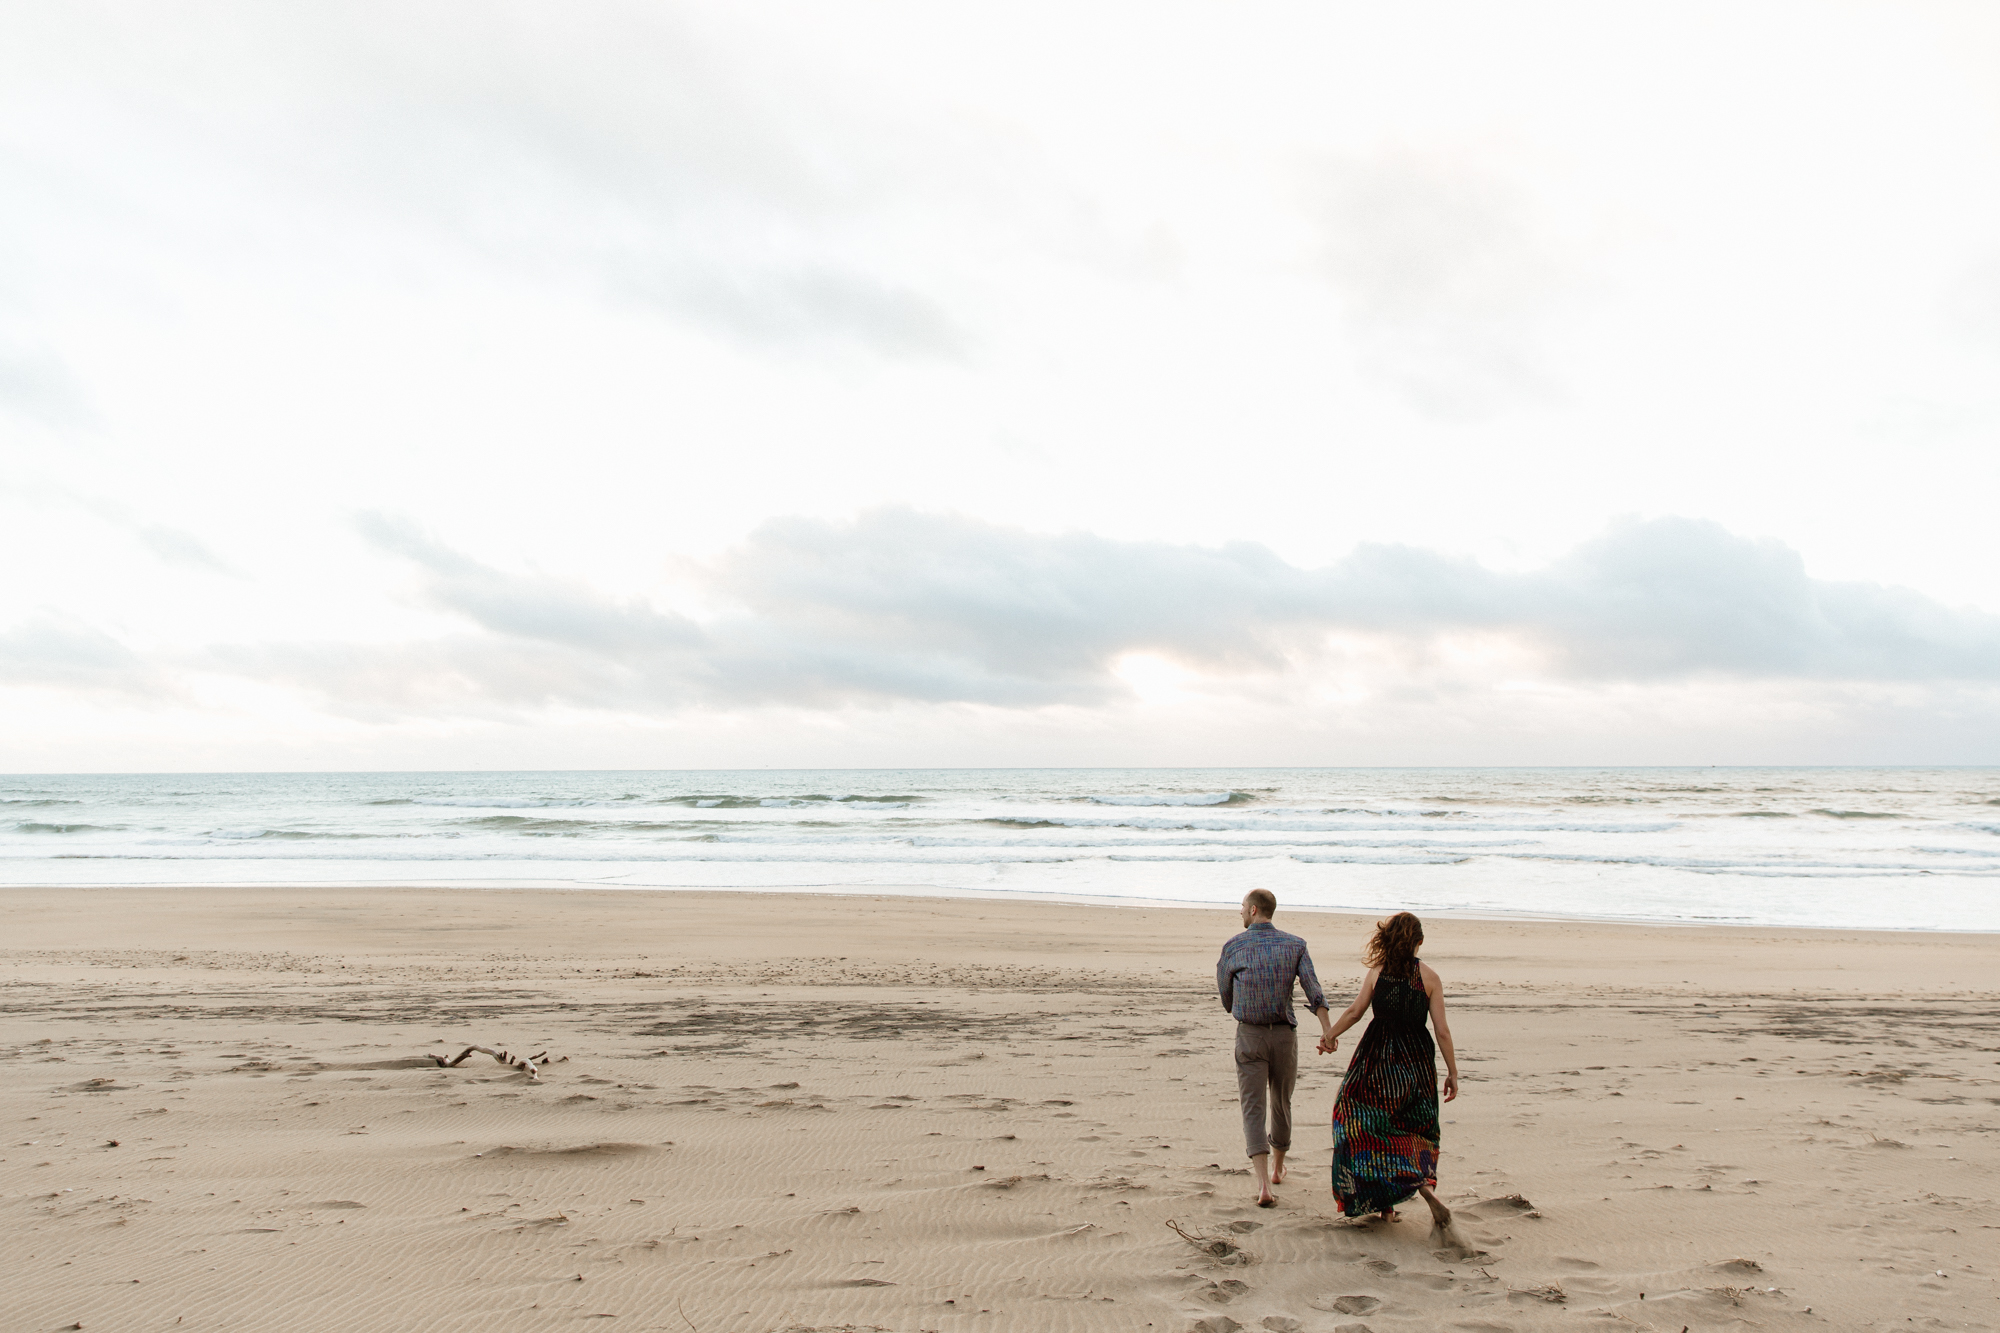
(1435,989)
(1331,1041)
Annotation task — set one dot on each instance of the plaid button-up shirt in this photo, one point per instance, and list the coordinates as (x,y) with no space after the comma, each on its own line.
(1256,972)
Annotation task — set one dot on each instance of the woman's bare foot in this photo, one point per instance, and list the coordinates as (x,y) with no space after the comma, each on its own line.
(1387,1215)
(1440,1214)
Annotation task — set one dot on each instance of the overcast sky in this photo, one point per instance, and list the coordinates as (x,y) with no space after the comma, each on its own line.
(493,385)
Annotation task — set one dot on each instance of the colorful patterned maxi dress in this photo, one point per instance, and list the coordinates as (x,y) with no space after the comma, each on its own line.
(1385,1121)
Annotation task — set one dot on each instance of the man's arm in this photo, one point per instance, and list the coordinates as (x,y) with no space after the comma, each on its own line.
(1225,980)
(1315,997)
(1309,980)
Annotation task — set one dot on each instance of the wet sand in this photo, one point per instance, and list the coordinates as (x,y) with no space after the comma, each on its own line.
(816,1112)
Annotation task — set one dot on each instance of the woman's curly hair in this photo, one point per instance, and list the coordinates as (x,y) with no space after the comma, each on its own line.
(1394,947)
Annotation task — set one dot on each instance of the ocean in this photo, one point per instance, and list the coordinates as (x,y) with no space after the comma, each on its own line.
(1894,848)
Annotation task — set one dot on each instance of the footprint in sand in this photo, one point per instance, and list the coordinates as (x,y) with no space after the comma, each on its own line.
(1223,1292)
(1349,1304)
(1507,1205)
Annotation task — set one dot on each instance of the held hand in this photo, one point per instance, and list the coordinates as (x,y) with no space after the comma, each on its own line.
(1450,1087)
(1328,1045)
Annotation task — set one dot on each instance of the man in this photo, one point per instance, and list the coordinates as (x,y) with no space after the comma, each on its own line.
(1255,976)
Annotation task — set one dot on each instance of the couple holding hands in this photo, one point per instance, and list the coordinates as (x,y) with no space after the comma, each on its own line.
(1385,1120)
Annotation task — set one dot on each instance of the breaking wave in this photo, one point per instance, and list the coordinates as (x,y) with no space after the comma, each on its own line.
(1199,798)
(785,802)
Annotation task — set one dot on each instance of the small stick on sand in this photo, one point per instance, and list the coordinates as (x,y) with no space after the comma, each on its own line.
(530,1063)
(1214,1245)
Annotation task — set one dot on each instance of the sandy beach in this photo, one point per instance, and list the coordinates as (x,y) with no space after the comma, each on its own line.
(793,1111)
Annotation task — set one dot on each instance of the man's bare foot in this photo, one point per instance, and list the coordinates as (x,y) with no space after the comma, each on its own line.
(1277,1166)
(1266,1201)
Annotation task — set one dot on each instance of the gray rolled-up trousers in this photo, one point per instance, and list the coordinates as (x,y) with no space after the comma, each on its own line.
(1267,1065)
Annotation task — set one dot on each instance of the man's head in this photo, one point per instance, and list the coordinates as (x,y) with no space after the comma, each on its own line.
(1259,905)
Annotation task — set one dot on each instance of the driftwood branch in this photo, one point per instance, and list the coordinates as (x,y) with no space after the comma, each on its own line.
(532,1064)
(1210,1245)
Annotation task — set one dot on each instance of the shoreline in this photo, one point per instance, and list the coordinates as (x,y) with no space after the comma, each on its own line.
(948,893)
(1818,960)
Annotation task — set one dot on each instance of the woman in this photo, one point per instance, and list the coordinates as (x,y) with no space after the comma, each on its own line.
(1385,1121)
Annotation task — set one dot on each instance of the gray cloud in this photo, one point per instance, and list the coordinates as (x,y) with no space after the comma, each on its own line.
(635,156)
(903,606)
(803,306)
(530,607)
(1665,599)
(1675,598)
(649,167)
(53,649)
(181,549)
(36,385)
(171,545)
